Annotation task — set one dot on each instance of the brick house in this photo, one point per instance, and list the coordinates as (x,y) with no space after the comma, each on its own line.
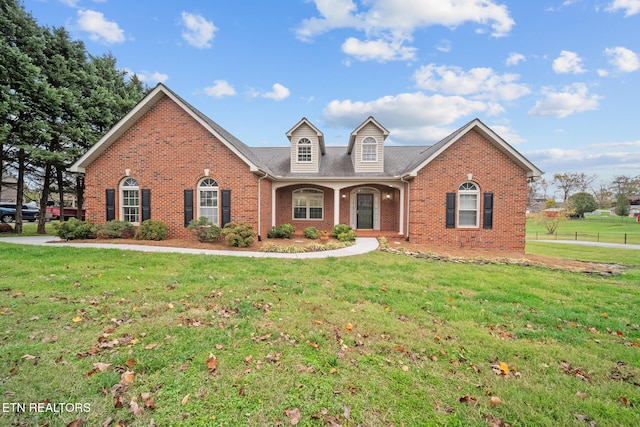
(167,161)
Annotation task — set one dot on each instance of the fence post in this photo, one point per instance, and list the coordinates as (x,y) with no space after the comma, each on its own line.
(625,238)
(576,238)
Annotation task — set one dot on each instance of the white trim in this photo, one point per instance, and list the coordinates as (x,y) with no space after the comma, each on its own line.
(216,209)
(467,192)
(121,189)
(369,144)
(317,192)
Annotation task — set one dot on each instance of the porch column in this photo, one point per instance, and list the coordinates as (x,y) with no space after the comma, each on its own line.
(273,206)
(336,206)
(401,210)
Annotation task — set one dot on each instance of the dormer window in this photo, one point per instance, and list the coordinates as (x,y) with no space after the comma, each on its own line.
(369,149)
(304,150)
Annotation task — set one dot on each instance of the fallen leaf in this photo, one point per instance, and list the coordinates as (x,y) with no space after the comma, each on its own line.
(405,368)
(504,368)
(347,412)
(29,357)
(581,395)
(135,409)
(49,339)
(312,344)
(495,400)
(625,401)
(101,367)
(349,327)
(185,399)
(76,423)
(77,319)
(212,363)
(468,400)
(150,346)
(294,415)
(130,362)
(127,378)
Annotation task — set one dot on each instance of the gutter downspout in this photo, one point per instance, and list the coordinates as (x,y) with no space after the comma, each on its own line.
(260,178)
(406,237)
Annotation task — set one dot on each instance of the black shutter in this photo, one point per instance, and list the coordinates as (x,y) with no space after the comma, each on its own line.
(451,210)
(188,207)
(487,219)
(146,204)
(110,204)
(226,207)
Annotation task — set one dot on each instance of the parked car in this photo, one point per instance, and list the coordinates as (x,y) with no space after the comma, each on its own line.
(8,212)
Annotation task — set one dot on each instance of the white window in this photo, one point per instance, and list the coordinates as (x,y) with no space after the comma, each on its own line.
(468,205)
(308,204)
(208,200)
(369,149)
(130,201)
(304,150)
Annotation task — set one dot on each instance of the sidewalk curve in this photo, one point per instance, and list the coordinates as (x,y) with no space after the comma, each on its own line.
(361,246)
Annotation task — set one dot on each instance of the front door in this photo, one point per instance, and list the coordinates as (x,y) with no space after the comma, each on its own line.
(365,211)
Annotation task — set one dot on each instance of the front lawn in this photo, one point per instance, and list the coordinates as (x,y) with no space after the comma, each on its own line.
(110,336)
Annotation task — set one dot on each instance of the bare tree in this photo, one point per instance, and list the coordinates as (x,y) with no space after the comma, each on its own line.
(602,193)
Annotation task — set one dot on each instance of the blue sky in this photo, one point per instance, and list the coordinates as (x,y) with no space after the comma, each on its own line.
(557,79)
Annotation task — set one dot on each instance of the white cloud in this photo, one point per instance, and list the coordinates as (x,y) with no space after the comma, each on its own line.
(625,60)
(155,77)
(515,59)
(278,93)
(378,50)
(219,89)
(390,23)
(199,32)
(99,28)
(406,111)
(483,83)
(559,160)
(508,134)
(573,99)
(568,63)
(631,7)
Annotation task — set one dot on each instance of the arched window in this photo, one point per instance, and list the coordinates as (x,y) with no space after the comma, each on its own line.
(130,201)
(468,205)
(308,203)
(369,149)
(304,150)
(208,200)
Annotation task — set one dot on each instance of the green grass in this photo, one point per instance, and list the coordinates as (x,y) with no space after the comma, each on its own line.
(602,228)
(390,338)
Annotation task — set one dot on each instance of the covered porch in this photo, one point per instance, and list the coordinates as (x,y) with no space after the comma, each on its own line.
(365,206)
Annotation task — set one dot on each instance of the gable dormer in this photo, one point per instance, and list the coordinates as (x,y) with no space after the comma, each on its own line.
(366,146)
(307,145)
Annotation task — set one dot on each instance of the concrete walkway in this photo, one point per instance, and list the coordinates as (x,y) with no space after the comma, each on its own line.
(362,246)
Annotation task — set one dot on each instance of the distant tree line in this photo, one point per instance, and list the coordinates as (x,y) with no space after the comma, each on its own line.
(56,101)
(586,193)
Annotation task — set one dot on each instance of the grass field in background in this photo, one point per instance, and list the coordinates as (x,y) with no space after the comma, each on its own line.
(378,339)
(603,228)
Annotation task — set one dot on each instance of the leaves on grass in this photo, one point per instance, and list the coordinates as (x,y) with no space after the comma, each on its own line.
(212,363)
(586,419)
(293,415)
(577,372)
(494,421)
(469,400)
(127,378)
(101,367)
(76,423)
(185,399)
(495,400)
(77,319)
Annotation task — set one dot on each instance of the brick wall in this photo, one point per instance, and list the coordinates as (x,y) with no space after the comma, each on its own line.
(167,151)
(493,171)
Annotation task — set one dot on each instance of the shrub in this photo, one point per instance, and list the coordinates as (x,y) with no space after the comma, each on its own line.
(204,230)
(116,230)
(74,229)
(238,234)
(283,231)
(152,230)
(343,232)
(311,233)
